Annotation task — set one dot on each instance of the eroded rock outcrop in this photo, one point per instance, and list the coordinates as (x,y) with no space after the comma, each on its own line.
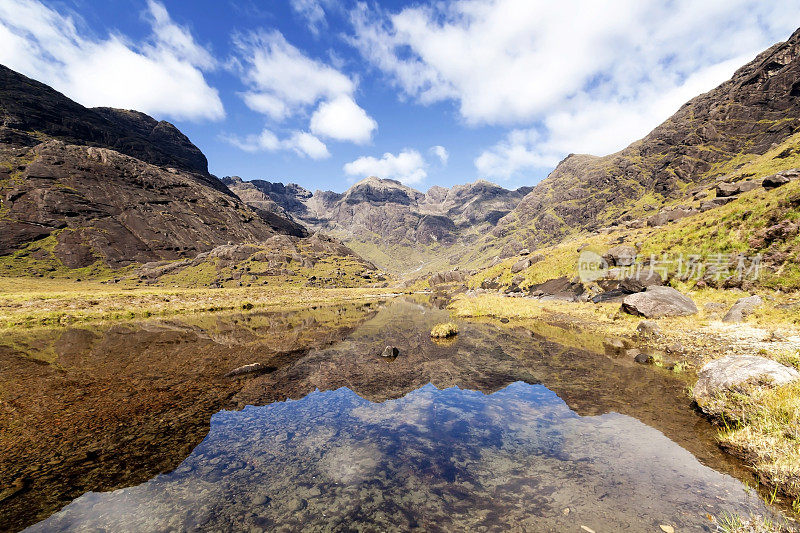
(746,115)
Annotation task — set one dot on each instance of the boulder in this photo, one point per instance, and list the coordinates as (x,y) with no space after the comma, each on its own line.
(733,371)
(453,276)
(725,189)
(558,289)
(715,202)
(520,265)
(640,280)
(644,358)
(648,328)
(670,215)
(616,290)
(742,308)
(490,284)
(775,181)
(658,302)
(622,255)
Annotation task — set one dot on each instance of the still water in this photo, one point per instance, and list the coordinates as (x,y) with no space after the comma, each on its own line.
(501,429)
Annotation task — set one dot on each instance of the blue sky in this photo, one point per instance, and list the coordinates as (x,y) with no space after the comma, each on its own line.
(324,92)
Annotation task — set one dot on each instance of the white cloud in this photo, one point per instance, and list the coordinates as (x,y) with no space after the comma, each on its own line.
(162,76)
(267,104)
(408,166)
(273,66)
(312,11)
(589,126)
(343,120)
(305,143)
(284,82)
(300,142)
(591,76)
(441,153)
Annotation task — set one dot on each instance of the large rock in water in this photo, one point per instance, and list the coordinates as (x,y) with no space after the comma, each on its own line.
(742,308)
(735,370)
(657,302)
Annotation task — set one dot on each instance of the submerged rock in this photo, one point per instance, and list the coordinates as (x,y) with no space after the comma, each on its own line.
(742,308)
(252,368)
(658,302)
(733,371)
(390,352)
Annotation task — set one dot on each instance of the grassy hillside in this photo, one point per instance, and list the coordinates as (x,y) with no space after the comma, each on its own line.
(758,222)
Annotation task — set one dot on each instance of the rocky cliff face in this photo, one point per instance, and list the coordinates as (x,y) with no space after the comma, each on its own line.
(376,215)
(30,110)
(86,185)
(706,139)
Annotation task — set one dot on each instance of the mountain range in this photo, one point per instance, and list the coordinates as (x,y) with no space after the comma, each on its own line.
(394,226)
(104,188)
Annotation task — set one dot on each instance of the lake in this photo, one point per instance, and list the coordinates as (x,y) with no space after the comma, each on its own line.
(142,427)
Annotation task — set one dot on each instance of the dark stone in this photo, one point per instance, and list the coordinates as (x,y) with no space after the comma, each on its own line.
(558,289)
(775,181)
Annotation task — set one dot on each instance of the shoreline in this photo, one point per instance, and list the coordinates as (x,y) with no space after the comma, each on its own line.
(749,424)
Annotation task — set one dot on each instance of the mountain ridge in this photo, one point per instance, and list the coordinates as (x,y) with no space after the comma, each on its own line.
(104,188)
(741,118)
(385,213)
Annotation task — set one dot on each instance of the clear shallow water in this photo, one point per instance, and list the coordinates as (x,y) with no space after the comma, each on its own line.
(433,460)
(135,428)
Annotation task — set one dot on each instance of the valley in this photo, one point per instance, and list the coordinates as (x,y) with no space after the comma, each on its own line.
(666,272)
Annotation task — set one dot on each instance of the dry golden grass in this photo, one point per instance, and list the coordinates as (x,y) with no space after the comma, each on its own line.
(26,302)
(444,330)
(763,426)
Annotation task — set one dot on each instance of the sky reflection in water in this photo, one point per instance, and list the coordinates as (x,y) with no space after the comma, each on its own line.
(433,460)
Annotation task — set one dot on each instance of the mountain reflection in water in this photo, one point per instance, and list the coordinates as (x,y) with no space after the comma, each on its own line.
(435,459)
(498,429)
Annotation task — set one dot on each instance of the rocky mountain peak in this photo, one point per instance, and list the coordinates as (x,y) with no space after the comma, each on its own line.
(28,108)
(377,191)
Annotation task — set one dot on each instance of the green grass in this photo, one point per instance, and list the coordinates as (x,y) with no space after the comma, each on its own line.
(38,259)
